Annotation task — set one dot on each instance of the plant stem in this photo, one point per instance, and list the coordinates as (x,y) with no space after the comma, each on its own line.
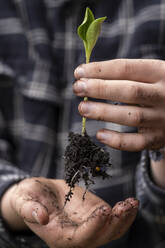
(85,100)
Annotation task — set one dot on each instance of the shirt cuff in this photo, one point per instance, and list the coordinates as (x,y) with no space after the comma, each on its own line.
(19,239)
(9,175)
(145,187)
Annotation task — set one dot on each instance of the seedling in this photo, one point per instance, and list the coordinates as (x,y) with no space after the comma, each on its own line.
(89,32)
(85,160)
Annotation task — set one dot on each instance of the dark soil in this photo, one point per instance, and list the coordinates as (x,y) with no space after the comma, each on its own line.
(84,160)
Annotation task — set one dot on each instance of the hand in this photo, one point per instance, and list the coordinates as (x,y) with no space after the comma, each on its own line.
(139,83)
(39,202)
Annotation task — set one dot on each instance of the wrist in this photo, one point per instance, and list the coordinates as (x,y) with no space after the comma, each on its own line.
(8,213)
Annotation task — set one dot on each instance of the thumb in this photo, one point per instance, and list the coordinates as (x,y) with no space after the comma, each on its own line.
(32,211)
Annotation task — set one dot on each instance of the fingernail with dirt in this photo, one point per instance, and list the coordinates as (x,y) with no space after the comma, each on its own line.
(79,87)
(103,136)
(79,72)
(84,108)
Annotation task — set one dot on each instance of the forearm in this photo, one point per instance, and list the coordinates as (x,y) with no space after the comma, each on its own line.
(8,213)
(158,171)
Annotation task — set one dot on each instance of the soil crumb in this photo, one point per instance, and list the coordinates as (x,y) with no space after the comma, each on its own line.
(84,160)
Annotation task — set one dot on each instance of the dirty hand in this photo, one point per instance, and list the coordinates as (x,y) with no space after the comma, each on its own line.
(139,83)
(39,202)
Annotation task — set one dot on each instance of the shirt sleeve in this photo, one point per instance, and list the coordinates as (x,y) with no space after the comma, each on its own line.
(151,197)
(10,173)
(9,140)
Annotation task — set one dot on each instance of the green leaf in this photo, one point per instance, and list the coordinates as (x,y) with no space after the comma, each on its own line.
(88,19)
(93,33)
(89,31)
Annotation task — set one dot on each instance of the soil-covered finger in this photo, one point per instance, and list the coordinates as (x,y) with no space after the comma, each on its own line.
(34,212)
(124,115)
(35,200)
(132,142)
(38,190)
(130,92)
(128,69)
(123,215)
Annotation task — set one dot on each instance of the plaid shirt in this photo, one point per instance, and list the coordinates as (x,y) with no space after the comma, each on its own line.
(39,49)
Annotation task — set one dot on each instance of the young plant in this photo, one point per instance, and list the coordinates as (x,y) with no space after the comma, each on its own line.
(84,160)
(89,32)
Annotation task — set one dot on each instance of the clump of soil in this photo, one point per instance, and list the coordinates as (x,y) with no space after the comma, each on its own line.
(84,160)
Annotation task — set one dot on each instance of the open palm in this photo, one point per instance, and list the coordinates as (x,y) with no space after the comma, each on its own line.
(80,224)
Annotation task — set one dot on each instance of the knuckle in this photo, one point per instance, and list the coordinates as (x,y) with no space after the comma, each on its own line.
(107,90)
(153,95)
(127,68)
(138,118)
(136,92)
(101,91)
(141,94)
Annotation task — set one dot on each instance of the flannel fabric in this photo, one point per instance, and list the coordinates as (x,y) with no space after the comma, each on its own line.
(39,50)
